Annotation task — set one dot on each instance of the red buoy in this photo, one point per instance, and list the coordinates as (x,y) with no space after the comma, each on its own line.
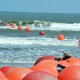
(18,73)
(2,77)
(19,27)
(60,37)
(48,57)
(7,24)
(73,61)
(70,73)
(13,26)
(49,66)
(28,29)
(41,33)
(39,75)
(5,69)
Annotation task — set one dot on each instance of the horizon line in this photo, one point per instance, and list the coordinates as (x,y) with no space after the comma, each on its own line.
(41,12)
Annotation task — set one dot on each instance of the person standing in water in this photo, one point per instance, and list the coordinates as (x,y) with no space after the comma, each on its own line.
(79,42)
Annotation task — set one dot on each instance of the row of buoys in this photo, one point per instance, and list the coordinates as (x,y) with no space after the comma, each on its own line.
(45,68)
(42,33)
(28,29)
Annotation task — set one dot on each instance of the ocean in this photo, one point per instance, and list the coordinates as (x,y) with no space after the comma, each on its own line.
(21,48)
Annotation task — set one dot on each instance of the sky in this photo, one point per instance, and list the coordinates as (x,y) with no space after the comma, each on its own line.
(44,6)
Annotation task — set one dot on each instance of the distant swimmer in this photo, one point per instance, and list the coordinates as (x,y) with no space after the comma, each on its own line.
(79,42)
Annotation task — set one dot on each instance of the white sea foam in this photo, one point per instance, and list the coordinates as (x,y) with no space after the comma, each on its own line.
(8,45)
(49,26)
(19,41)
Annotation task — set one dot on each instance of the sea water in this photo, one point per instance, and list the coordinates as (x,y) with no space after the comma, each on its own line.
(21,48)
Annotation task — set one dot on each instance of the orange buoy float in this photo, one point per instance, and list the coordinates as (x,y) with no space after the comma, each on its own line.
(7,24)
(28,29)
(41,33)
(49,66)
(13,26)
(73,61)
(48,57)
(5,69)
(2,77)
(70,73)
(19,27)
(18,73)
(60,37)
(39,75)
